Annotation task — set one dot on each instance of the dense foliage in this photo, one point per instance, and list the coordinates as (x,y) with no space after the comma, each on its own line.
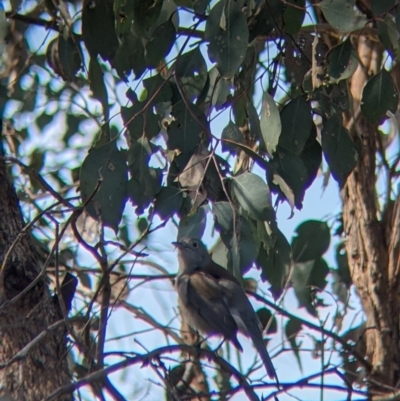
(123,100)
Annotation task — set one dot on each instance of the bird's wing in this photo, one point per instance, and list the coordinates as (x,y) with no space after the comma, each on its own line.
(204,298)
(247,320)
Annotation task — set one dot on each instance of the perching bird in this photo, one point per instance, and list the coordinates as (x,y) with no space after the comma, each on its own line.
(213,302)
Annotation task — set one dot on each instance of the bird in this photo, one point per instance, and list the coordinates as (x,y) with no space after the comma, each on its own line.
(213,302)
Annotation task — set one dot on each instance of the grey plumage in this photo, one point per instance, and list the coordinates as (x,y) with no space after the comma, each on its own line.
(213,302)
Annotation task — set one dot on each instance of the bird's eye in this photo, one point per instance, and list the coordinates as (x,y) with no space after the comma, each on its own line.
(195,244)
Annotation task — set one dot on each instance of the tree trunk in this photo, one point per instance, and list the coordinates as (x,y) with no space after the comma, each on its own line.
(372,236)
(31,367)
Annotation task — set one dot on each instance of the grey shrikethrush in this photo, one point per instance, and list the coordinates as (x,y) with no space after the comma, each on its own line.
(213,302)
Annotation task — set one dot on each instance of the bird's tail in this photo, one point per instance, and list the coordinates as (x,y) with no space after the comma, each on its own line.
(258,342)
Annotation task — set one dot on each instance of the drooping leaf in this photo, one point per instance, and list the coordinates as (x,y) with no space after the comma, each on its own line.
(193,225)
(145,14)
(292,329)
(218,90)
(275,260)
(98,28)
(268,320)
(379,8)
(160,44)
(146,181)
(200,6)
(139,120)
(296,125)
(307,278)
(232,133)
(241,243)
(64,55)
(186,131)
(254,196)
(227,32)
(341,15)
(168,201)
(379,96)
(129,56)
(294,15)
(312,240)
(287,175)
(341,153)
(191,72)
(157,90)
(339,58)
(219,253)
(300,282)
(104,168)
(125,10)
(98,86)
(270,121)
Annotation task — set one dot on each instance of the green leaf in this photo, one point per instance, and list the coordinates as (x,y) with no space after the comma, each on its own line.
(130,56)
(145,14)
(223,220)
(219,254)
(200,6)
(312,240)
(292,329)
(312,157)
(296,125)
(232,133)
(160,44)
(98,86)
(341,153)
(140,121)
(168,201)
(389,35)
(341,15)
(227,32)
(271,126)
(98,28)
(379,8)
(186,130)
(193,225)
(339,58)
(104,167)
(318,274)
(293,16)
(158,90)
(287,175)
(218,91)
(248,245)
(254,196)
(70,56)
(125,10)
(300,280)
(275,260)
(306,277)
(191,71)
(379,95)
(244,244)
(268,320)
(146,181)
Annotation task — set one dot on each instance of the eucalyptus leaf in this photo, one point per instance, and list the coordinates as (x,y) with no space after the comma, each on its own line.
(103,180)
(254,196)
(227,34)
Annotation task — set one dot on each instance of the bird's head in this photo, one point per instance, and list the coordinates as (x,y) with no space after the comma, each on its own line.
(192,254)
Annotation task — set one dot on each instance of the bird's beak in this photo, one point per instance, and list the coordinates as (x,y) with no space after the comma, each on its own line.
(177,244)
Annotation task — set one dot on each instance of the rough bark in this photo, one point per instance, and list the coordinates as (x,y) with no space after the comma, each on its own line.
(372,237)
(29,369)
